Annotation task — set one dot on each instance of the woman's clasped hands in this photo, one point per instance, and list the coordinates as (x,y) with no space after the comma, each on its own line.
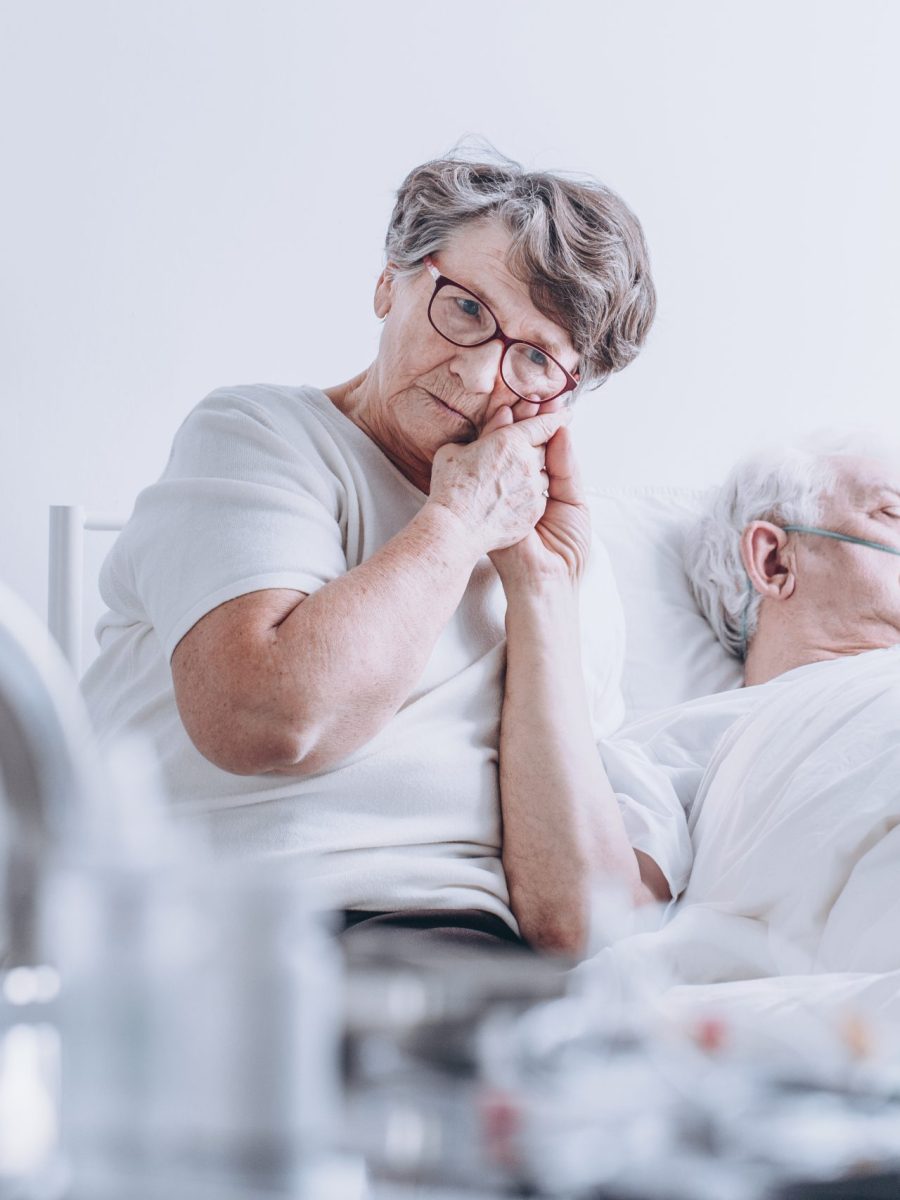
(516,488)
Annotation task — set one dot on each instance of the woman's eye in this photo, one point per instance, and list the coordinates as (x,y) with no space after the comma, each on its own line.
(537,357)
(470,308)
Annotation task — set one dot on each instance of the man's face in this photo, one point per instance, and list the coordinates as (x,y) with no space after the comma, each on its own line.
(855,589)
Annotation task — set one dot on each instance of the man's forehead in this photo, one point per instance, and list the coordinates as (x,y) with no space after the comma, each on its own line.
(861,478)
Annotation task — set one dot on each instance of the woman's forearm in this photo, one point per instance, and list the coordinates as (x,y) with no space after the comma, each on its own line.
(346,658)
(561,821)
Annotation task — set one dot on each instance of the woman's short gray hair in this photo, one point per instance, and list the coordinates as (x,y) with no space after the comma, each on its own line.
(787,486)
(576,245)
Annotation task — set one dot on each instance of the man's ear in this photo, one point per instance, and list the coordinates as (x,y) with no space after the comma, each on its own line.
(767,560)
(384,291)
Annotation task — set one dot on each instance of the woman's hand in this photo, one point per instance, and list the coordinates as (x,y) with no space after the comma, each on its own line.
(497,485)
(558,544)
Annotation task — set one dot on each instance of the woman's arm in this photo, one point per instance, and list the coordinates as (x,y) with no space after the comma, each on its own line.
(275,682)
(561,822)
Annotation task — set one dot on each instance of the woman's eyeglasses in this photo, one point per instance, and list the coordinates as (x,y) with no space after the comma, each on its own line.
(465,320)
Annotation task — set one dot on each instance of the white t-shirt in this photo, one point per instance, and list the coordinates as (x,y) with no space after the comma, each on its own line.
(273,487)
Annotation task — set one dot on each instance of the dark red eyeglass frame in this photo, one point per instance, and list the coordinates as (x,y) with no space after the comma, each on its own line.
(498,334)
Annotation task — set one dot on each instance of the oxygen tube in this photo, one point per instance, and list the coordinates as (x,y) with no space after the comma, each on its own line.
(828,533)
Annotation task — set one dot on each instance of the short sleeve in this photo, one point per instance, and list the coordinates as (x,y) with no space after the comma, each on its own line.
(651,797)
(240,507)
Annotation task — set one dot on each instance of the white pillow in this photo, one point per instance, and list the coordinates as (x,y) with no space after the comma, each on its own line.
(671,653)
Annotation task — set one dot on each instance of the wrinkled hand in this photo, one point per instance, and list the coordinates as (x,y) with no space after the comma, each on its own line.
(496,485)
(558,544)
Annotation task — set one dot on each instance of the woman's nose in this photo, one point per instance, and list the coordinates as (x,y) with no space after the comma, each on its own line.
(478,370)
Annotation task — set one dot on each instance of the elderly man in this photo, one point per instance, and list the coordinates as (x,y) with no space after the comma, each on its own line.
(771,810)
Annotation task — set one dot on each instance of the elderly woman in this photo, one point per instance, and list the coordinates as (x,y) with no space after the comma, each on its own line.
(320,609)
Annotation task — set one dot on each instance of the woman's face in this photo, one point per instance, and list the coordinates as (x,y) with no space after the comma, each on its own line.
(424,391)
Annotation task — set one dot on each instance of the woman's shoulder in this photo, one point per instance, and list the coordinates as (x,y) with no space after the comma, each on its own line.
(294,425)
(270,403)
(301,416)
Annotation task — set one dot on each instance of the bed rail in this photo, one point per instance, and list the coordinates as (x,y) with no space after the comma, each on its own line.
(65,582)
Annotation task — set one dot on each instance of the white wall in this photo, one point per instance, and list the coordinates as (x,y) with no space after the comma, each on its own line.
(195,192)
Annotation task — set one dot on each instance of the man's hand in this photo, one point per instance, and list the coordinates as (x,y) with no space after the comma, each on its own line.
(559,542)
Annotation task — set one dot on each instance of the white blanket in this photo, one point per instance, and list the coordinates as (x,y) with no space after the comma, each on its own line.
(796,846)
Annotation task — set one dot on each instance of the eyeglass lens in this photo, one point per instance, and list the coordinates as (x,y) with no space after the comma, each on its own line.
(461,318)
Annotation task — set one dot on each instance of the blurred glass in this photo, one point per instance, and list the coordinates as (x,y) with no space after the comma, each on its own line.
(200,1022)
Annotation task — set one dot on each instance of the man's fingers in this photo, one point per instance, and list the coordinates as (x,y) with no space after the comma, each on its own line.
(562,467)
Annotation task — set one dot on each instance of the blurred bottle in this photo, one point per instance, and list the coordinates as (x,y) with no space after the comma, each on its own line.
(199,1011)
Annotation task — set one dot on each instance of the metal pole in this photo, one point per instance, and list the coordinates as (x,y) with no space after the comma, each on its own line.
(65,580)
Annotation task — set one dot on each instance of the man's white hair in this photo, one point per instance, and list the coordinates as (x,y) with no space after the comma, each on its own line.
(784,485)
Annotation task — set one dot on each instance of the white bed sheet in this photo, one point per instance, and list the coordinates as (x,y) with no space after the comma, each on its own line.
(794,895)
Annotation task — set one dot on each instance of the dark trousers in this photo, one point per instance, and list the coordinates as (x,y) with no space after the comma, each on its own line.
(464,928)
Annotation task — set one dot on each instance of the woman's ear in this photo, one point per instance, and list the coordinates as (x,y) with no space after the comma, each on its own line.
(384,291)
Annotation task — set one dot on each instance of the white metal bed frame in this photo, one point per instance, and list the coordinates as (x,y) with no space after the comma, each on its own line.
(65,576)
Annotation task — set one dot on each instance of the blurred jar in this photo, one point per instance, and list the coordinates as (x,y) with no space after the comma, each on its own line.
(200,1014)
